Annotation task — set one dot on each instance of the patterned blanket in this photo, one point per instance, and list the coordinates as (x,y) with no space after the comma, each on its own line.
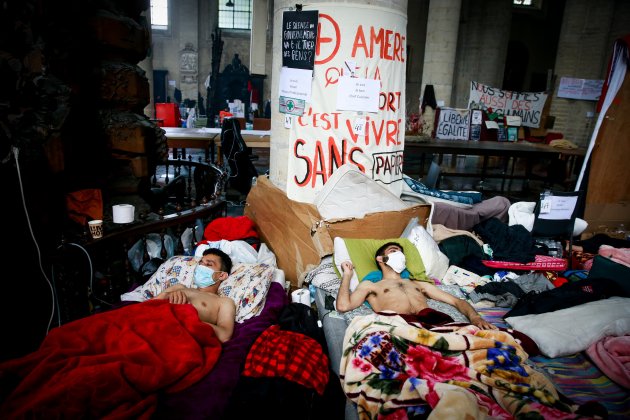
(392,368)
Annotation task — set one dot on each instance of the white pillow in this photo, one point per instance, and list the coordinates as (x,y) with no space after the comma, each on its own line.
(435,262)
(571,330)
(522,213)
(340,255)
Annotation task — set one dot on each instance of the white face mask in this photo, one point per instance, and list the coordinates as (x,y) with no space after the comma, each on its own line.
(396,260)
(204,276)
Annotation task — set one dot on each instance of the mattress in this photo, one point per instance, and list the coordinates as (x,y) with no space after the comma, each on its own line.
(351,193)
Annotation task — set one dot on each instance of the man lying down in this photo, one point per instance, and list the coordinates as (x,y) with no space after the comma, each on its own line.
(408,360)
(393,293)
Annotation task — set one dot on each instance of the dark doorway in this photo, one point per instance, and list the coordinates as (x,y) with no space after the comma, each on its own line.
(531,53)
(159,86)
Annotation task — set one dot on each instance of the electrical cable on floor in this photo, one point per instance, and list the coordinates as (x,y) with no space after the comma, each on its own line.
(91,273)
(16,152)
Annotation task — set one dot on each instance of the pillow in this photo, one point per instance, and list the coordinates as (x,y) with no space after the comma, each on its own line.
(324,276)
(247,286)
(176,270)
(571,330)
(361,253)
(435,262)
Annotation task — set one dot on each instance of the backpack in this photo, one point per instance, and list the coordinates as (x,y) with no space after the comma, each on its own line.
(300,318)
(237,156)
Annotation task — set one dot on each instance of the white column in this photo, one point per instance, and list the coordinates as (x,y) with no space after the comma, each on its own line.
(440,48)
(280,147)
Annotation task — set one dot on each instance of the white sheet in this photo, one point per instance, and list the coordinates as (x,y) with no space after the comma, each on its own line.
(571,330)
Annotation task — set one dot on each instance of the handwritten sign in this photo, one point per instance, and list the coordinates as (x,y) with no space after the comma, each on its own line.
(527,105)
(453,123)
(356,46)
(299,37)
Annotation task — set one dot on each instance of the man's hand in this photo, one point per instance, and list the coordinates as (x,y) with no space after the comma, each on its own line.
(479,322)
(176,296)
(347,267)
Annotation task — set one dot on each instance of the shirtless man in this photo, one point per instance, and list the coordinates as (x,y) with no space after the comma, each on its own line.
(218,311)
(393,293)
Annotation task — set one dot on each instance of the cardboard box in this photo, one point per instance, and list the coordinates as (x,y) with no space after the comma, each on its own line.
(300,237)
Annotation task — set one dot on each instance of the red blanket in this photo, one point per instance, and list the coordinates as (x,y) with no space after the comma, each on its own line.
(111,364)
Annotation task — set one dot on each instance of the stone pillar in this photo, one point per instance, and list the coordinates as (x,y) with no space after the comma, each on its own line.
(329,128)
(147,66)
(440,48)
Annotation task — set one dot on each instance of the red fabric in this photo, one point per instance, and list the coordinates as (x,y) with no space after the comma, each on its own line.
(559,281)
(542,262)
(229,228)
(111,364)
(626,41)
(84,205)
(290,355)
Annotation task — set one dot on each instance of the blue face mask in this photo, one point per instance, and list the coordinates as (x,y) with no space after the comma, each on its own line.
(203,276)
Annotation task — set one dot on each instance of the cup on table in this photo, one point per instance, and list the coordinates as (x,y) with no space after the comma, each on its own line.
(96,228)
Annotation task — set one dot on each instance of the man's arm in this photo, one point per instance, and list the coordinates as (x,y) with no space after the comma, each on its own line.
(462,306)
(174,294)
(347,301)
(225,319)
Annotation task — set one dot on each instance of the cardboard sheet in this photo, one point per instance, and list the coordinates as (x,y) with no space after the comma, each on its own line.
(300,237)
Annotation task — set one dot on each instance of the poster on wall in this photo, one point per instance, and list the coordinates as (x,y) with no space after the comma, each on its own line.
(583,89)
(367,131)
(299,36)
(527,105)
(453,123)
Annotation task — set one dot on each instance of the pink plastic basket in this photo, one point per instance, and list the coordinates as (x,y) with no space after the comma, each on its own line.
(542,262)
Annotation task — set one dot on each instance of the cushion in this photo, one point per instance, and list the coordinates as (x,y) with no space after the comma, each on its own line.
(361,253)
(571,330)
(435,262)
(176,270)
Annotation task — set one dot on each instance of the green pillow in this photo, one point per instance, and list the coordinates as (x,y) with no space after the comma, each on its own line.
(362,252)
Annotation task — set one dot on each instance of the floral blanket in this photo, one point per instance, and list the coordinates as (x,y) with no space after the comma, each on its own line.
(392,368)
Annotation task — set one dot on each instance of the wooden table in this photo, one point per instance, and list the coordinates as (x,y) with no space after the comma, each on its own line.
(510,150)
(207,138)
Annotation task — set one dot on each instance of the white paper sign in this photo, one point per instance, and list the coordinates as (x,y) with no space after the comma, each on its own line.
(492,124)
(513,120)
(355,94)
(296,83)
(477,117)
(561,208)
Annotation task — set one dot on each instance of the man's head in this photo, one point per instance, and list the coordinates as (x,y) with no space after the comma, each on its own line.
(214,267)
(384,251)
(217,260)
